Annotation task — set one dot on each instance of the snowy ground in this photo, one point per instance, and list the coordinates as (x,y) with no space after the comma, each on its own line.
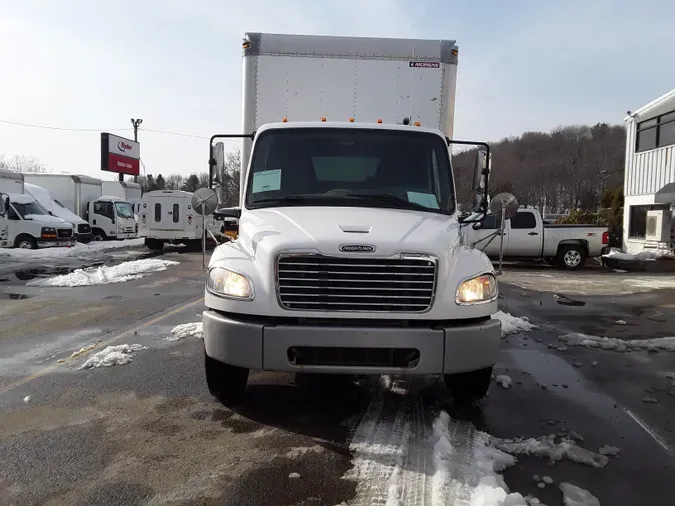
(103,400)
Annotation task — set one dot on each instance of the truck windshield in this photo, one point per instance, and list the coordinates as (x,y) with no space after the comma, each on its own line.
(124,210)
(29,209)
(350,167)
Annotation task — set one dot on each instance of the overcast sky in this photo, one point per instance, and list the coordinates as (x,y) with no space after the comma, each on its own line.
(524,65)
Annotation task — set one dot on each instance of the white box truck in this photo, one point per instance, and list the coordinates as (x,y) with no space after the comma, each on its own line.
(24,223)
(56,208)
(126,190)
(110,217)
(167,217)
(349,258)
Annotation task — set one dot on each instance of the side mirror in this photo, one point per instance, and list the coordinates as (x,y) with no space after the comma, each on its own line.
(477,225)
(479,203)
(50,213)
(480,176)
(227,212)
(5,208)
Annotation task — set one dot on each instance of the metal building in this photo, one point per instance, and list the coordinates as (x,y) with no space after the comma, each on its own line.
(649,179)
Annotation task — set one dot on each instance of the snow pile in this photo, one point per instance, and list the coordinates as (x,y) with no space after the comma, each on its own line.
(622,345)
(121,354)
(479,476)
(187,330)
(575,496)
(504,380)
(643,255)
(126,271)
(513,324)
(546,446)
(78,249)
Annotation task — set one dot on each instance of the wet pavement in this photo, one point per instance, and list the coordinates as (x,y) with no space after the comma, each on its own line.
(149,433)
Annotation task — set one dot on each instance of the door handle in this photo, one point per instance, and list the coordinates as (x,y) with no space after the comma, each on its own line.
(533,233)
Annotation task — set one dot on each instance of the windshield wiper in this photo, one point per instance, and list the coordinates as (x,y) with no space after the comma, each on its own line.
(392,199)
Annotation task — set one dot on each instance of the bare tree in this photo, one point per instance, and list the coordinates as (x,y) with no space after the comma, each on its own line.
(229,188)
(23,163)
(174,182)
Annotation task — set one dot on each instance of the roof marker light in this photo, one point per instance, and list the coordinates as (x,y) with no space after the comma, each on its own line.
(379,121)
(323,118)
(417,123)
(284,119)
(351,120)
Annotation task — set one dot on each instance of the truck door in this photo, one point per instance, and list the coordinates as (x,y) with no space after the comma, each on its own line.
(524,235)
(103,217)
(489,226)
(166,214)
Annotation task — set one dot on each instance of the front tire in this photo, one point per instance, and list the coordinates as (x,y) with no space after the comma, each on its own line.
(467,387)
(572,257)
(98,235)
(154,244)
(226,382)
(25,241)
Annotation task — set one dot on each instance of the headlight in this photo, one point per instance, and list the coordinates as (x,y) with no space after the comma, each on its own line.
(477,290)
(225,282)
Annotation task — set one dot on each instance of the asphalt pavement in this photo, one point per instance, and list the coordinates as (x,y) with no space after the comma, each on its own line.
(148,432)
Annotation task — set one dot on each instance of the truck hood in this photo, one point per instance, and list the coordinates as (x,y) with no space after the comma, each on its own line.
(325,229)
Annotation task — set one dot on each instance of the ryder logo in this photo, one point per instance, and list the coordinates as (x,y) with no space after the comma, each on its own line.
(123,146)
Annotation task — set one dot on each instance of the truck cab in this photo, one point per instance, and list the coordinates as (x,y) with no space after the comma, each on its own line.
(349,260)
(29,225)
(111,218)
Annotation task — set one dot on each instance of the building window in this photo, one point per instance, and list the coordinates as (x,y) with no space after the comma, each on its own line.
(637,224)
(656,132)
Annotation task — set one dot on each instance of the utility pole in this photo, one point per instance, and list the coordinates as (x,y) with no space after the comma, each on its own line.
(135,123)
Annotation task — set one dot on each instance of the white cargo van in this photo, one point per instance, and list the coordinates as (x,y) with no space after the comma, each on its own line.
(167,217)
(110,217)
(349,258)
(26,224)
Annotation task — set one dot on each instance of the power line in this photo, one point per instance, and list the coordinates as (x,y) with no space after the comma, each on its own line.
(182,135)
(46,127)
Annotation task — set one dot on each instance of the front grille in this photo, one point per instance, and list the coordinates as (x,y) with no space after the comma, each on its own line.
(401,358)
(83,228)
(319,283)
(64,232)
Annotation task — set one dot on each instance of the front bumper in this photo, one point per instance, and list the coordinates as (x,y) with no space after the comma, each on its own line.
(444,349)
(61,242)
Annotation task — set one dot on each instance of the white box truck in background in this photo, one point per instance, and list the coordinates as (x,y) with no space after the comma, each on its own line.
(24,222)
(167,217)
(349,258)
(56,208)
(110,217)
(126,190)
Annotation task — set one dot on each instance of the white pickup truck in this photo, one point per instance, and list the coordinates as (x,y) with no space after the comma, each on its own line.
(349,257)
(527,237)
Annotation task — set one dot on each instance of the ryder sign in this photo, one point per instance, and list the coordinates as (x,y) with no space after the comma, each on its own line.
(120,155)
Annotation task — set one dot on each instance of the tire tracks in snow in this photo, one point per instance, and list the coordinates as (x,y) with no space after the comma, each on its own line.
(401,459)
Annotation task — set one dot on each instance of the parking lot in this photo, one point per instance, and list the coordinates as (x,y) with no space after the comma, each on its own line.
(599,414)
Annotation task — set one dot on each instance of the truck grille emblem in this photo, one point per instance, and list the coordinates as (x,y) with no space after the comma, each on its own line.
(357,248)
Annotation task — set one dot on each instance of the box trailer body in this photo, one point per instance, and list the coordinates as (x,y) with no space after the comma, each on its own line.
(131,192)
(167,217)
(109,217)
(306,78)
(24,222)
